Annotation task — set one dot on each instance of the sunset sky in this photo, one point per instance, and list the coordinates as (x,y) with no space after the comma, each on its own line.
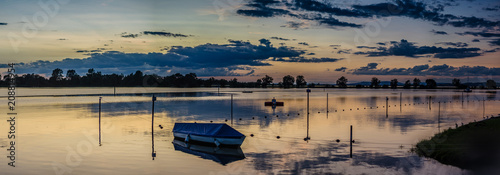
(247,39)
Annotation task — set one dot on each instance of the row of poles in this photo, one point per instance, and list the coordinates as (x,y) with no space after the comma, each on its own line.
(307,135)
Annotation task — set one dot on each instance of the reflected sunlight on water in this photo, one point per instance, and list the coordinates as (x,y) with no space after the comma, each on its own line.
(60,133)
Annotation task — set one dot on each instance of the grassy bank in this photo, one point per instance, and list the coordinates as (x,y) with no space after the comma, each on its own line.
(474,146)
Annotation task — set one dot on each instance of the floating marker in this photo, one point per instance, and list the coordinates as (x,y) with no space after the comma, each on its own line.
(278,137)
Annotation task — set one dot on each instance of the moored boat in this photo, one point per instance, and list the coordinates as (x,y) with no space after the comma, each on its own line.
(219,134)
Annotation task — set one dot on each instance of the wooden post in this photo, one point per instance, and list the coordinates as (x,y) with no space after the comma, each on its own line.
(439,117)
(114,90)
(100,120)
(327,102)
(231,109)
(350,141)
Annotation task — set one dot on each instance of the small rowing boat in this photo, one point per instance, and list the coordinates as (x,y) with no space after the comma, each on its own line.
(219,134)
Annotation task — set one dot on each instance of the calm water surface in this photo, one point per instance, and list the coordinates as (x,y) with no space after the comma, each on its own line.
(57,130)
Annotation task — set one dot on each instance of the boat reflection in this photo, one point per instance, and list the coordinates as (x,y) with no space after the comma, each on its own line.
(222,155)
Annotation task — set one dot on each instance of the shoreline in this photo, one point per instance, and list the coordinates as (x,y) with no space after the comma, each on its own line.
(474,146)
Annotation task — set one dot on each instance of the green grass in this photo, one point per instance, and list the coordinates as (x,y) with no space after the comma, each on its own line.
(472,146)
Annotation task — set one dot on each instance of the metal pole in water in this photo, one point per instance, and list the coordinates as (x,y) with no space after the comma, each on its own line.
(430,101)
(231,109)
(100,121)
(114,90)
(153,154)
(327,102)
(484,107)
(308,91)
(439,117)
(400,101)
(462,99)
(386,106)
(350,141)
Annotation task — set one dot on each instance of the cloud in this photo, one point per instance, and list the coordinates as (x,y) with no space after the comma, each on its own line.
(304,43)
(408,49)
(495,42)
(424,70)
(455,44)
(438,32)
(216,59)
(129,35)
(166,34)
(482,34)
(308,60)
(341,69)
(3,24)
(420,10)
(325,13)
(279,38)
(495,8)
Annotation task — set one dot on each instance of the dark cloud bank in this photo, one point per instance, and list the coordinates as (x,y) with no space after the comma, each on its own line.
(324,13)
(423,70)
(206,59)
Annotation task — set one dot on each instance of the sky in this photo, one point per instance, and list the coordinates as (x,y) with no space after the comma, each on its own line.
(248,39)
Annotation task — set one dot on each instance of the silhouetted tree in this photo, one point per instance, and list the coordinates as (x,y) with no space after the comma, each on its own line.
(258,83)
(407,84)
(394,83)
(431,83)
(416,83)
(266,80)
(491,84)
(342,82)
(288,81)
(300,81)
(456,82)
(375,83)
(233,82)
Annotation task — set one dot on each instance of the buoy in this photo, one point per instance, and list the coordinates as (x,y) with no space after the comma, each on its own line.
(161,127)
(240,118)
(211,121)
(318,112)
(253,117)
(337,140)
(278,137)
(353,141)
(298,113)
(251,135)
(226,120)
(265,116)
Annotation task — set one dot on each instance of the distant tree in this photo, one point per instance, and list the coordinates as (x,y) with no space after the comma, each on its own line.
(394,83)
(233,82)
(70,74)
(375,83)
(288,81)
(57,75)
(258,83)
(300,81)
(456,82)
(223,82)
(209,82)
(491,84)
(431,83)
(416,82)
(266,80)
(342,82)
(407,84)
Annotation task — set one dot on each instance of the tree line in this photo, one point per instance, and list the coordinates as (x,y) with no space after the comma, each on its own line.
(95,78)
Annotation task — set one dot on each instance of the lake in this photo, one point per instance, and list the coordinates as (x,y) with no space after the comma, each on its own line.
(56,130)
